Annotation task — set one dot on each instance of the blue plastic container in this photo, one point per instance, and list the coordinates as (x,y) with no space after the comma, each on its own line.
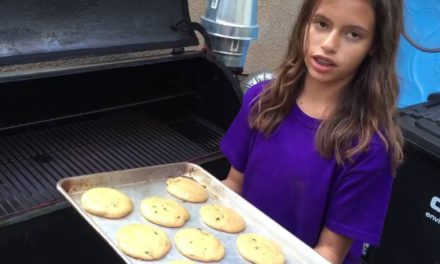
(419,72)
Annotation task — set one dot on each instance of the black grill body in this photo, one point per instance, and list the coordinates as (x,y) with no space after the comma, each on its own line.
(97,117)
(412,227)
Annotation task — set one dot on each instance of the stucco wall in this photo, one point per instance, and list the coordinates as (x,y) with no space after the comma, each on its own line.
(275,19)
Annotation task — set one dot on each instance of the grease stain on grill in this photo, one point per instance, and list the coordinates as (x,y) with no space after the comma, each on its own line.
(198,133)
(42,158)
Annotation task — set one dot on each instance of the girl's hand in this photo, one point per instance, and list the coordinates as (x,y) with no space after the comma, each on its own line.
(332,246)
(234,180)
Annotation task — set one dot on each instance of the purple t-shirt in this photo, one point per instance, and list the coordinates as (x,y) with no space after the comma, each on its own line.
(287,178)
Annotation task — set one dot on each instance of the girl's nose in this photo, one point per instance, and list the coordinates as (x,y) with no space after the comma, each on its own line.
(330,43)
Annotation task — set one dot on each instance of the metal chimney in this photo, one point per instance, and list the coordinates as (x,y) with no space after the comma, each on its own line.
(231,25)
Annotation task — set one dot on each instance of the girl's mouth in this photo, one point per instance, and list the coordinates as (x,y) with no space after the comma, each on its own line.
(324,61)
(322,64)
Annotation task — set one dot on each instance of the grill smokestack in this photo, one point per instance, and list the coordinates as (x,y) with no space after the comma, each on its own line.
(231,25)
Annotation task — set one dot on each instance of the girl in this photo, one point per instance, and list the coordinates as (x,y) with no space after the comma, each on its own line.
(316,148)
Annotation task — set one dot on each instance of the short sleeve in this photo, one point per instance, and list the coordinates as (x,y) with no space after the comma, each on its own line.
(359,199)
(237,140)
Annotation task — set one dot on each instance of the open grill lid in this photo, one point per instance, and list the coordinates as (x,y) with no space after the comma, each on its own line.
(37,30)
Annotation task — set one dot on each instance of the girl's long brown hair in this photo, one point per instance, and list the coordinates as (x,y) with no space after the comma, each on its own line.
(367,104)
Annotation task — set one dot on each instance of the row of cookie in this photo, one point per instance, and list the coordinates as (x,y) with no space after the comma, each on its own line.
(147,242)
(110,203)
(169,213)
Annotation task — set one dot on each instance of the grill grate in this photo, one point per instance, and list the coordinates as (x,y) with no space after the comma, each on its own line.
(31,162)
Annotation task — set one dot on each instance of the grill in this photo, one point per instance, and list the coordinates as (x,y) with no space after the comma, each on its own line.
(114,119)
(33,161)
(109,99)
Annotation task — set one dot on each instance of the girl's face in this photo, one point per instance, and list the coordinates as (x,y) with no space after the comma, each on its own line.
(340,36)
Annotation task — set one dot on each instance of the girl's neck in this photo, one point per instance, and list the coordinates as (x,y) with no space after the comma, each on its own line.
(318,99)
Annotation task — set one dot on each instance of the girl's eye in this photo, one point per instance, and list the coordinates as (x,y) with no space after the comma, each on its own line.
(354,35)
(320,24)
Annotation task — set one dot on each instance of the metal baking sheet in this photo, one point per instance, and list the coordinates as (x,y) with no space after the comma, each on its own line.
(141,183)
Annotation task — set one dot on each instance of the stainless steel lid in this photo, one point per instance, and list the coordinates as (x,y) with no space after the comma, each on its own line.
(37,30)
